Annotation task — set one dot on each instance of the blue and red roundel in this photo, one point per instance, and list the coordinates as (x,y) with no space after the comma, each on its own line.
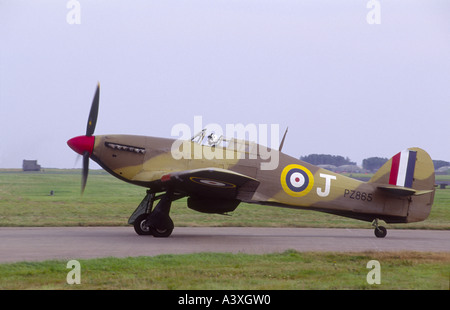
(296,180)
(212,183)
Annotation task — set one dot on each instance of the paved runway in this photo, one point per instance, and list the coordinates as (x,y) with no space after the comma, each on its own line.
(43,243)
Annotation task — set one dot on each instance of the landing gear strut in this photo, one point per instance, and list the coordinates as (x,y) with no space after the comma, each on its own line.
(380,231)
(156,222)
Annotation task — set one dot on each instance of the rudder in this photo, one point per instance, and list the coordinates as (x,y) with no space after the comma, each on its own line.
(402,168)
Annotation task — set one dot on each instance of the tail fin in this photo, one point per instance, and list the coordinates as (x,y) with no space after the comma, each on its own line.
(409,173)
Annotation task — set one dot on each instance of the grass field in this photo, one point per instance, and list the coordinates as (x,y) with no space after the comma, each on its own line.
(25,200)
(209,271)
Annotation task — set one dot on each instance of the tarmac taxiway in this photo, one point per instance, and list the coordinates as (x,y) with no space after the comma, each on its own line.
(66,243)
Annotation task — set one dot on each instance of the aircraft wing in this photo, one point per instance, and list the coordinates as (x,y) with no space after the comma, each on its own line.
(212,183)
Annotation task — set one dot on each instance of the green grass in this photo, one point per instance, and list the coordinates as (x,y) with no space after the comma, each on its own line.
(206,271)
(107,201)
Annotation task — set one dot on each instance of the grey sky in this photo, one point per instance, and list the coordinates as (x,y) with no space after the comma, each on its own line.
(343,87)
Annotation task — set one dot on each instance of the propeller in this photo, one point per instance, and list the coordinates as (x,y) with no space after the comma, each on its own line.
(92,122)
(84,145)
(85,171)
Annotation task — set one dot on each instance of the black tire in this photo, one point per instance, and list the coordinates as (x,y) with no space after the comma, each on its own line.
(139,226)
(161,233)
(380,232)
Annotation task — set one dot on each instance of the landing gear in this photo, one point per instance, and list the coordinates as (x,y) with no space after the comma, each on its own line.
(159,221)
(380,231)
(155,222)
(140,226)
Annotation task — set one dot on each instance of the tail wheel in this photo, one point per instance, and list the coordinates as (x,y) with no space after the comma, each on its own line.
(380,231)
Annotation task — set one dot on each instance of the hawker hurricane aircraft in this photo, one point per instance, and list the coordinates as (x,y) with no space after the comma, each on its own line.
(401,191)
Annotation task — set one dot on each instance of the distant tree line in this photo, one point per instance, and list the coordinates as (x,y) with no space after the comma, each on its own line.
(440,163)
(325,159)
(371,163)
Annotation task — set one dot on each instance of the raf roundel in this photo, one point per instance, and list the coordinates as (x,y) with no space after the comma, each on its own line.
(213,183)
(296,180)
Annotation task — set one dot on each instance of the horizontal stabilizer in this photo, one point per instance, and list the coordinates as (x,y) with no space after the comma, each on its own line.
(403,191)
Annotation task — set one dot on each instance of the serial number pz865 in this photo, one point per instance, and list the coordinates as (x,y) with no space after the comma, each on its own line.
(357,195)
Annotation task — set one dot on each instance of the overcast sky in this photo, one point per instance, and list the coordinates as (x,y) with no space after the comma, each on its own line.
(342,85)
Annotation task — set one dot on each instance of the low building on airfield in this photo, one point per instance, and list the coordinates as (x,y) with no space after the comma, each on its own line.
(31,165)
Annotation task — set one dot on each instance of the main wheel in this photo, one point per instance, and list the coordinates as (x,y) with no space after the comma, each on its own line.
(380,232)
(139,225)
(161,233)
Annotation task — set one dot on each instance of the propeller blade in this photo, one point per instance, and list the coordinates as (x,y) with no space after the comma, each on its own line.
(85,171)
(92,120)
(76,161)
